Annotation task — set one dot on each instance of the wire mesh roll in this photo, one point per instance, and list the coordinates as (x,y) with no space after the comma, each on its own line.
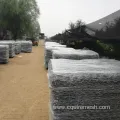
(11,47)
(4,53)
(79,87)
(17,47)
(26,46)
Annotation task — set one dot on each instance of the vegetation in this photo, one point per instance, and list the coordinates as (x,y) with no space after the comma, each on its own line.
(111,31)
(72,35)
(103,42)
(19,17)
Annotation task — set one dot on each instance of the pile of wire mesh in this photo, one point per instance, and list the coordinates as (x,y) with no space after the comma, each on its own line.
(84,89)
(17,47)
(51,43)
(11,45)
(26,46)
(74,54)
(4,54)
(49,46)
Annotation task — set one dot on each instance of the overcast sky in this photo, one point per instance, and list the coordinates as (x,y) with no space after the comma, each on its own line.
(57,14)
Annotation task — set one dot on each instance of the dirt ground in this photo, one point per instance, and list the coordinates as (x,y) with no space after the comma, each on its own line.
(24,87)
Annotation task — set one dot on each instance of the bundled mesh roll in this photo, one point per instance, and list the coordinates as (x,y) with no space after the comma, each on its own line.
(17,47)
(51,43)
(75,54)
(48,52)
(4,54)
(11,45)
(26,46)
(84,83)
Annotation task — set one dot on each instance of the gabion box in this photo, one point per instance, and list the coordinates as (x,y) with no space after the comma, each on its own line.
(4,54)
(84,83)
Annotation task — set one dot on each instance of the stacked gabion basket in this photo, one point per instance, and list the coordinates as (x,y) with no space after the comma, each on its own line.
(74,54)
(11,45)
(17,47)
(78,83)
(26,46)
(57,51)
(49,46)
(4,53)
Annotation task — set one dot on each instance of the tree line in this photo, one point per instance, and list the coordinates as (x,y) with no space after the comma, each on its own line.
(19,18)
(105,41)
